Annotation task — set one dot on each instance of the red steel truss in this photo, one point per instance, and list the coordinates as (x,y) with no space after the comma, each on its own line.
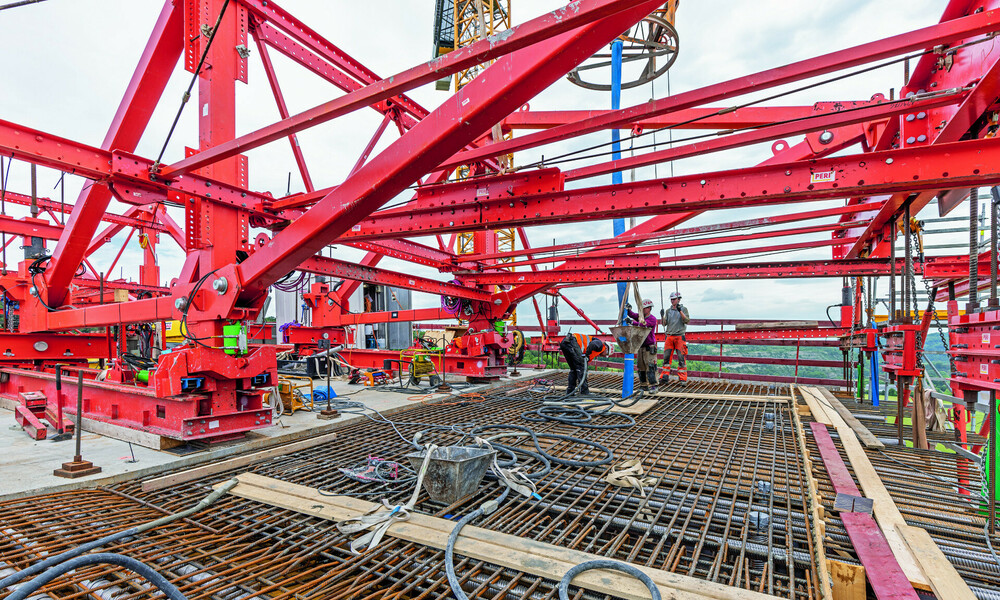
(875,155)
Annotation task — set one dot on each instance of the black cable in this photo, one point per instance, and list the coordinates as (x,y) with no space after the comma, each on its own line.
(102,558)
(543,163)
(20,3)
(194,78)
(187,305)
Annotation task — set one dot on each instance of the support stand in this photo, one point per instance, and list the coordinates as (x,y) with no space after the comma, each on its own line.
(78,467)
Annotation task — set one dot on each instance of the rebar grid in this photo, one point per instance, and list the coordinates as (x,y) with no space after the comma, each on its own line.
(924,485)
(714,461)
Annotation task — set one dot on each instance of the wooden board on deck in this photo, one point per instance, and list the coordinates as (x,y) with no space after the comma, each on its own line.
(848,581)
(696,396)
(224,465)
(638,408)
(886,512)
(867,437)
(509,551)
(945,580)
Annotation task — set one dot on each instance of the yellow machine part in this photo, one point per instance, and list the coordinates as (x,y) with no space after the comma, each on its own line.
(294,392)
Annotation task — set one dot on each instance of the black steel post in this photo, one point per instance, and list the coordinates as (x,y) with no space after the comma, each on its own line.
(973,250)
(79,415)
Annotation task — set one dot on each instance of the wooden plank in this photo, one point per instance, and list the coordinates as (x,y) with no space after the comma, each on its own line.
(945,580)
(205,470)
(848,581)
(638,408)
(866,436)
(816,406)
(818,528)
(841,478)
(696,396)
(885,574)
(505,550)
(886,512)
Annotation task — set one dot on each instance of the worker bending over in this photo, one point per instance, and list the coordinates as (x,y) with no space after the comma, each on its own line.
(646,357)
(675,321)
(580,350)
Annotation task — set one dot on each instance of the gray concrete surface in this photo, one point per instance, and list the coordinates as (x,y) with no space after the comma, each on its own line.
(26,465)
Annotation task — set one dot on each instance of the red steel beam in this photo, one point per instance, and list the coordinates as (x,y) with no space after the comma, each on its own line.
(505,85)
(941,166)
(51,205)
(628,239)
(927,37)
(157,63)
(594,275)
(976,103)
(536,31)
(860,112)
(279,100)
(341,269)
(705,241)
(692,118)
(389,317)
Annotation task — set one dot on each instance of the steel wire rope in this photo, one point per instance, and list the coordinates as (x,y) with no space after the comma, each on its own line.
(766,99)
(194,78)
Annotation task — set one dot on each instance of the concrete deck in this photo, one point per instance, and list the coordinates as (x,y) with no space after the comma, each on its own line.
(26,465)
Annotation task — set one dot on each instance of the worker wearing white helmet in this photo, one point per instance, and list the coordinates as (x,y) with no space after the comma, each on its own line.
(675,320)
(646,357)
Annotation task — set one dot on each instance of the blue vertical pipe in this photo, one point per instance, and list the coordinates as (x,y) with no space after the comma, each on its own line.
(616,146)
(875,376)
(616,178)
(627,382)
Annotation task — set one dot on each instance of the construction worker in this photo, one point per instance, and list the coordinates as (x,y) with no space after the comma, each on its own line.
(646,357)
(675,320)
(579,351)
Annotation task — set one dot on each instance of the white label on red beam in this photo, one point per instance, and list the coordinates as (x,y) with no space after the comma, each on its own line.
(823,177)
(986,338)
(984,369)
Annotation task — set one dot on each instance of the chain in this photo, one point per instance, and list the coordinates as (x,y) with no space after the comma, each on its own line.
(913,293)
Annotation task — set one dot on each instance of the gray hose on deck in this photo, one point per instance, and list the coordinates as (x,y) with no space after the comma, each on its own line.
(449,549)
(105,558)
(59,558)
(613,565)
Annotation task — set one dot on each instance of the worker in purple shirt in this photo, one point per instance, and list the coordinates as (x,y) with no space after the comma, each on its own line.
(646,357)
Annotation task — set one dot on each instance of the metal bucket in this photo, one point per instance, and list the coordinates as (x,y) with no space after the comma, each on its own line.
(454,472)
(630,337)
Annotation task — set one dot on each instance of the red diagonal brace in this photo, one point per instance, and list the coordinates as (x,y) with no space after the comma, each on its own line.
(144,90)
(500,89)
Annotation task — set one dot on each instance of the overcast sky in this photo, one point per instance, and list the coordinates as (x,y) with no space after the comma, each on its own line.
(68,62)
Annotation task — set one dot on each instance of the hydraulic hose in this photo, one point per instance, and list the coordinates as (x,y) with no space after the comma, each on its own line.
(449,550)
(612,565)
(608,458)
(108,539)
(104,558)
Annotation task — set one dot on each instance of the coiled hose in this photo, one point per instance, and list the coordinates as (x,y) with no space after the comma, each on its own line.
(103,558)
(609,456)
(10,580)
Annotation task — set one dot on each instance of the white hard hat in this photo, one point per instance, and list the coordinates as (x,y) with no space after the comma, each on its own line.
(675,295)
(647,303)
